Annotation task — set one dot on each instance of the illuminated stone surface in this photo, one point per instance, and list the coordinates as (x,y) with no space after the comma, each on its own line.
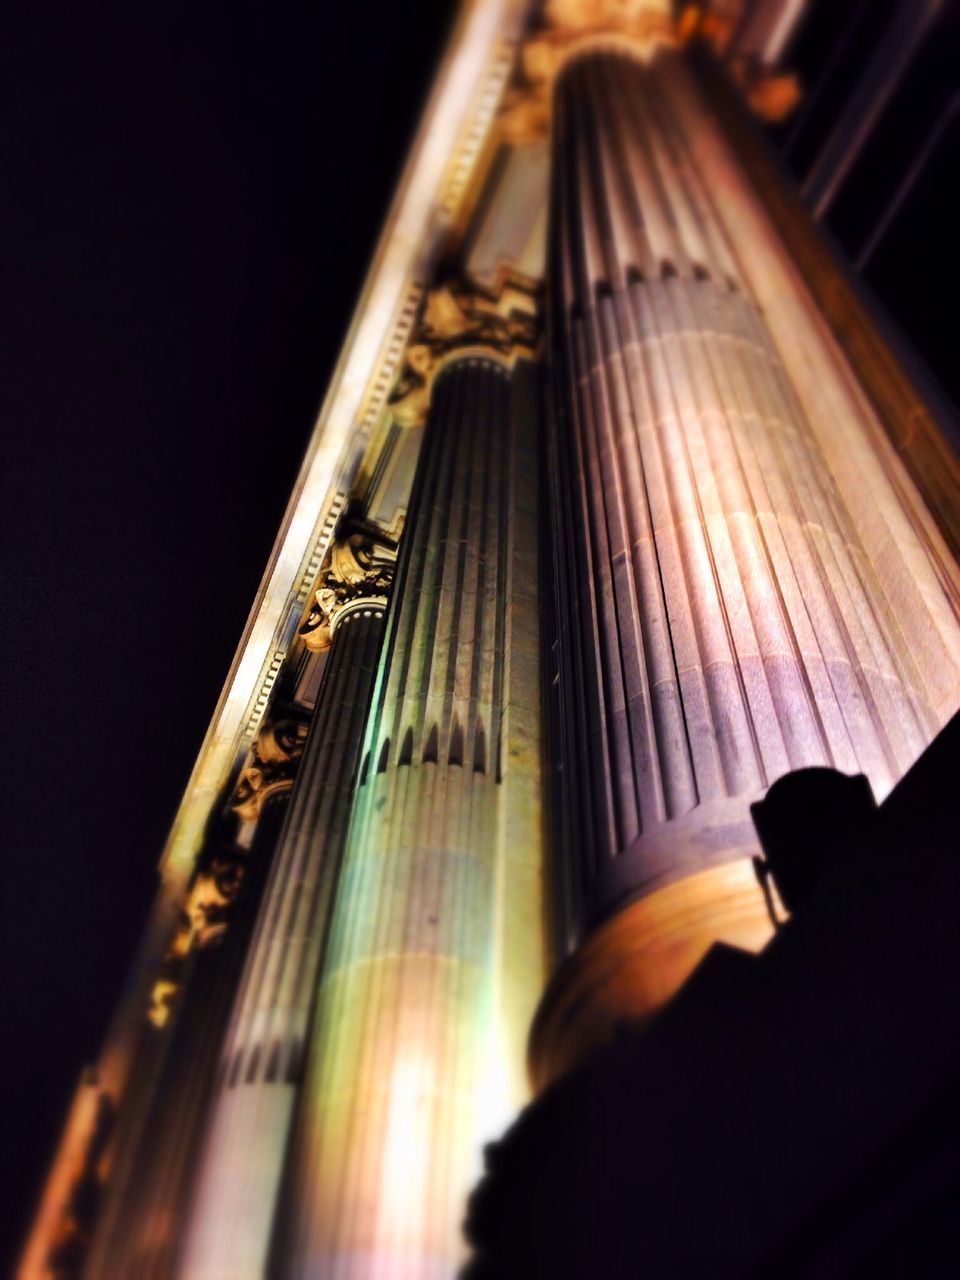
(729,607)
(434,964)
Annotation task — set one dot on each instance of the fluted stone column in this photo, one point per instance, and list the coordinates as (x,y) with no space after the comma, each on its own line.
(436,953)
(236,1190)
(720,615)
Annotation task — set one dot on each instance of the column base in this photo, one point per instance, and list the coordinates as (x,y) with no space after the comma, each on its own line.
(635,961)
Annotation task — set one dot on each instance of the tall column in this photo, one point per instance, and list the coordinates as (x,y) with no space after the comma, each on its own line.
(233,1204)
(722,614)
(436,951)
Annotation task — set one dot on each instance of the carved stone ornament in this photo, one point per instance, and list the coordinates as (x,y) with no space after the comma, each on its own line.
(457,318)
(204,919)
(210,902)
(643,24)
(208,911)
(270,767)
(359,566)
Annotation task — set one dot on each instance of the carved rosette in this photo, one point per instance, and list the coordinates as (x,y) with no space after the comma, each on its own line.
(456,319)
(357,571)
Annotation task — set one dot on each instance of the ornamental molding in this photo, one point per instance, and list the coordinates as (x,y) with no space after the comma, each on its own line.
(358,569)
(269,768)
(459,319)
(205,914)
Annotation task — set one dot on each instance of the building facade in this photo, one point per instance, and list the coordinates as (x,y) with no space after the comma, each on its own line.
(619,508)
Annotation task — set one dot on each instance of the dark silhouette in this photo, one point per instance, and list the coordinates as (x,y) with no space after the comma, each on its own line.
(794,1113)
(809,822)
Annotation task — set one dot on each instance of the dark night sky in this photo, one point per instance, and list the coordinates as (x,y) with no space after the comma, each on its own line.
(191,196)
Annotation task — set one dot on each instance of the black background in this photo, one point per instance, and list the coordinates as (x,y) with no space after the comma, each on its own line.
(191,195)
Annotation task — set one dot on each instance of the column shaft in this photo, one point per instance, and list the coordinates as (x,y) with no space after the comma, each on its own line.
(435,960)
(719,619)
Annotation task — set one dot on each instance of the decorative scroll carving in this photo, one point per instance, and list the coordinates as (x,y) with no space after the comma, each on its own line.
(270,767)
(358,567)
(525,114)
(455,318)
(204,919)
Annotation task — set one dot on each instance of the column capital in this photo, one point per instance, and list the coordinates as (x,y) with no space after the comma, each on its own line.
(640,27)
(358,570)
(571,26)
(458,319)
(270,766)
